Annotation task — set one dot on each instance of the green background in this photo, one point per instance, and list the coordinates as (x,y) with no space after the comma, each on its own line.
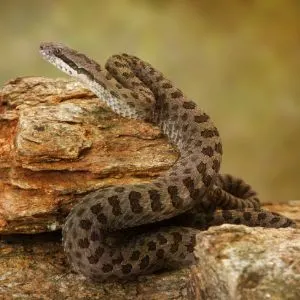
(239,60)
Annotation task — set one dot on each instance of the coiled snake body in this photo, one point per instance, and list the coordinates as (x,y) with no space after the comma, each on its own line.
(105,236)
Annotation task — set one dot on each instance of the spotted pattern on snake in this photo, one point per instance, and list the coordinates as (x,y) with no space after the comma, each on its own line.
(120,232)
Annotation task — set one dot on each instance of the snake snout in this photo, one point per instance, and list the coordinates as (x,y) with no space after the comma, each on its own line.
(48,48)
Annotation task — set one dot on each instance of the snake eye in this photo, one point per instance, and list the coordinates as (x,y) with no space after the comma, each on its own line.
(56,51)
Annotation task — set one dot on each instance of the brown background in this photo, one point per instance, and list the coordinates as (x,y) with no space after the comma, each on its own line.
(240,60)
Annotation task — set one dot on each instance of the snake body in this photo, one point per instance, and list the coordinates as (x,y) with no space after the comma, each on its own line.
(124,231)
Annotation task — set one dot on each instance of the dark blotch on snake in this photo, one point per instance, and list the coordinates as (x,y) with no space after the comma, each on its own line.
(174,248)
(184,117)
(227,215)
(128,75)
(247,216)
(201,168)
(167,85)
(176,94)
(80,212)
(201,118)
(134,199)
(85,224)
(176,200)
(184,127)
(274,220)
(118,64)
(115,203)
(102,218)
(144,262)
(134,95)
(207,133)
(237,221)
(189,105)
(194,130)
(189,184)
(135,255)
(93,259)
(114,94)
(126,269)
(156,204)
(151,246)
(175,107)
(107,268)
(207,179)
(161,239)
(83,243)
(261,216)
(198,143)
(208,151)
(216,165)
(177,237)
(160,253)
(96,209)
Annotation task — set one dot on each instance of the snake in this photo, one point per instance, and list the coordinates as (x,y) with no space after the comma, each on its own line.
(124,231)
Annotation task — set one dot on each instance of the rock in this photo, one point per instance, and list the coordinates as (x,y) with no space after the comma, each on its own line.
(239,262)
(58,142)
(234,262)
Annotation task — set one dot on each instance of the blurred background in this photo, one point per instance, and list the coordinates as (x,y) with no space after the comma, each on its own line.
(239,60)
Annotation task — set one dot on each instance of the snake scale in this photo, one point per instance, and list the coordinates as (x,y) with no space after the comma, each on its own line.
(123,231)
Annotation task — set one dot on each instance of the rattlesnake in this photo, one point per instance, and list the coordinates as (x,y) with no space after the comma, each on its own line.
(128,230)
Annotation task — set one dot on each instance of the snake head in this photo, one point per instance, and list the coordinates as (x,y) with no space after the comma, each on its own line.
(61,56)
(50,49)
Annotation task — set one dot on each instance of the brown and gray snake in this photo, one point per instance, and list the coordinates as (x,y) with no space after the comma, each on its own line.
(121,232)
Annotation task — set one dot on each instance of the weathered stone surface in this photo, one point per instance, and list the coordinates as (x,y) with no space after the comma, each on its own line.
(36,268)
(57,142)
(238,262)
(235,262)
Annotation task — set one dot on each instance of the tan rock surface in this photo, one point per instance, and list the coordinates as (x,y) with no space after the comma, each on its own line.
(234,262)
(57,142)
(239,262)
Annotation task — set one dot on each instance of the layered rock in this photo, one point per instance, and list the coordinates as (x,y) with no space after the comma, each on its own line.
(59,142)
